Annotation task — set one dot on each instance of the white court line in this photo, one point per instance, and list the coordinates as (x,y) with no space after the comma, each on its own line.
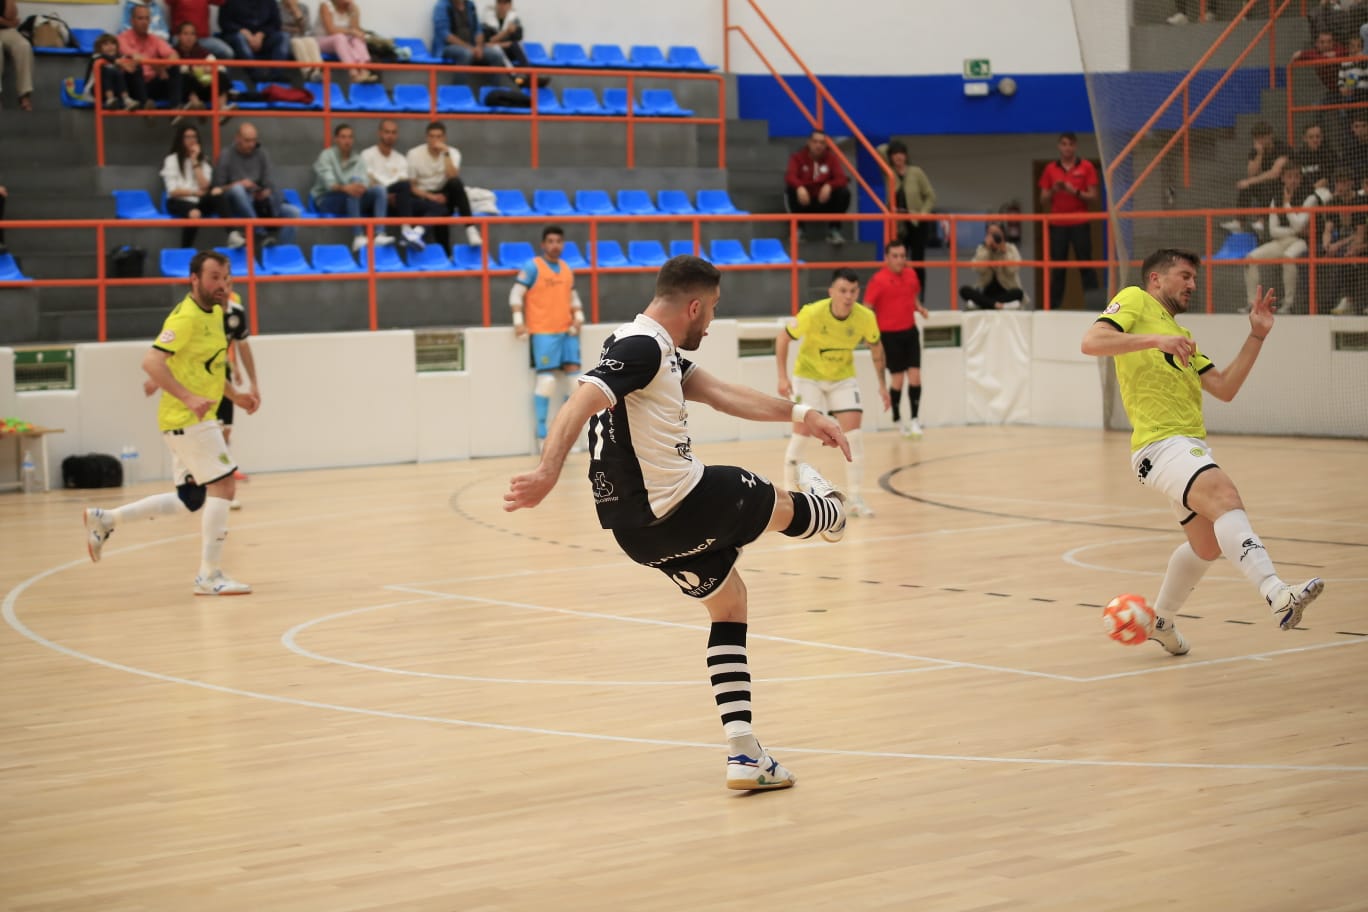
(1254,657)
(1071,557)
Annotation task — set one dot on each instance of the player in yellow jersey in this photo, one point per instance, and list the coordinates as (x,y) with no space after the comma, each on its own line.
(829,331)
(1162,375)
(187,361)
(546,306)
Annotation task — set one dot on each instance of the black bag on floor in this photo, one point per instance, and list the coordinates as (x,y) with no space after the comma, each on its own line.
(125,262)
(94,470)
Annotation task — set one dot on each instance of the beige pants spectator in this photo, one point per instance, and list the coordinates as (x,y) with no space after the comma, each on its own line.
(306,50)
(1276,249)
(20,51)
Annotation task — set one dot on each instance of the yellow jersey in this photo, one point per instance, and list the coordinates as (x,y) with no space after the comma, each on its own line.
(827,349)
(1162,398)
(194,338)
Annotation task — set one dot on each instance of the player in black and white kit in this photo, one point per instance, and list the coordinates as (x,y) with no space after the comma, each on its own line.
(667,509)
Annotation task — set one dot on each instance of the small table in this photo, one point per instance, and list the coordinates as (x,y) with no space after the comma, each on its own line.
(35,433)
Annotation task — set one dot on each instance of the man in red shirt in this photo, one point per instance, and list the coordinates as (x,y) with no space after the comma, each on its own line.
(1068,186)
(893,294)
(816,182)
(163,83)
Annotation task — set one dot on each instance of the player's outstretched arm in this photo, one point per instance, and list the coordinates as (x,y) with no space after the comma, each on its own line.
(752,405)
(530,488)
(1225,384)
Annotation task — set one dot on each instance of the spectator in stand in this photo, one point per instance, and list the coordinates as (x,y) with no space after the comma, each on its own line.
(1316,160)
(1326,47)
(247,180)
(1069,186)
(254,30)
(294,19)
(196,12)
(1355,149)
(342,188)
(1345,234)
(339,32)
(189,180)
(162,83)
(1288,218)
(503,29)
(1268,155)
(1353,77)
(1342,17)
(999,284)
(198,80)
(912,193)
(817,182)
(115,73)
(1186,11)
(458,38)
(388,169)
(17,48)
(436,169)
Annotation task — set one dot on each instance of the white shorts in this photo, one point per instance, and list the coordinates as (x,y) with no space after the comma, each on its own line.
(198,454)
(1170,466)
(828,396)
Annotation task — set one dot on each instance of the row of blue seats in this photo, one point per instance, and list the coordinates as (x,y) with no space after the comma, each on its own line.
(138,204)
(289,259)
(599,56)
(460,99)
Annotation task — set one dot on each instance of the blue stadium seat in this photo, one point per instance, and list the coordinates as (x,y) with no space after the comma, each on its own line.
(615,102)
(768,250)
(370,96)
(717,202)
(10,272)
(565,54)
(648,56)
(685,248)
(1237,246)
(686,57)
(175,262)
(237,259)
(661,103)
(418,50)
(646,253)
(339,99)
(458,99)
(467,256)
(548,103)
(675,202)
(536,55)
(608,57)
(432,258)
(74,101)
(386,259)
(636,202)
(728,252)
(582,101)
(85,39)
(284,259)
(413,98)
(609,254)
(594,202)
(306,209)
(571,256)
(333,259)
(500,109)
(514,255)
(237,86)
(136,204)
(512,202)
(550,202)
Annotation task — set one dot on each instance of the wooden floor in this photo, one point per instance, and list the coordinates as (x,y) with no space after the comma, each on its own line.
(429,704)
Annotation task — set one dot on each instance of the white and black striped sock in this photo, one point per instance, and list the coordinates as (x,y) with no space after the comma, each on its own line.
(813,514)
(730,677)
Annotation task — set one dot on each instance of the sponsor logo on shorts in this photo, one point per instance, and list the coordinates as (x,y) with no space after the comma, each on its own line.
(693,584)
(1197,451)
(696,549)
(603,488)
(1145,468)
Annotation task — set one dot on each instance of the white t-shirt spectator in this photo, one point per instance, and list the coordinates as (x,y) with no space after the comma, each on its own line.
(385,170)
(429,173)
(176,177)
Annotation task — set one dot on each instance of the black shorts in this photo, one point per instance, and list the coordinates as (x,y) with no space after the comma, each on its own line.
(902,349)
(225,411)
(696,546)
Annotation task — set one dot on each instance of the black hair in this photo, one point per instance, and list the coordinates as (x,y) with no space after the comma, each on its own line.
(686,276)
(845,272)
(1167,257)
(434,125)
(204,256)
(1069,135)
(337,130)
(552,229)
(894,147)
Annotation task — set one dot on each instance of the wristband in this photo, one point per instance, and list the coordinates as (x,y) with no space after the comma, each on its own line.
(517,318)
(799,412)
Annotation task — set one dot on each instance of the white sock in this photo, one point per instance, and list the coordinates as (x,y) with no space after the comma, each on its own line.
(1185,571)
(1243,548)
(855,468)
(213,530)
(168,504)
(792,456)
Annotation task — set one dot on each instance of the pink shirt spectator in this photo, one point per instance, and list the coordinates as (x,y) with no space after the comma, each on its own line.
(151,47)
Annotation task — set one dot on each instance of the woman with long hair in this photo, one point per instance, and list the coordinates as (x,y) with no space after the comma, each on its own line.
(188,177)
(339,32)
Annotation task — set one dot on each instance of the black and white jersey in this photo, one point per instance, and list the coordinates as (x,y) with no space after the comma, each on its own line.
(640,458)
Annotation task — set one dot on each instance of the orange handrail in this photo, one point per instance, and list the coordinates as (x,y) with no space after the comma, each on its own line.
(533,117)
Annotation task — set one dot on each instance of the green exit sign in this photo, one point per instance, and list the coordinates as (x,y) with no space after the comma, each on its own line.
(978,68)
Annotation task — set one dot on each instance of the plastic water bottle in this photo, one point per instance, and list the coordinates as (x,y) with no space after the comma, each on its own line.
(128,460)
(29,474)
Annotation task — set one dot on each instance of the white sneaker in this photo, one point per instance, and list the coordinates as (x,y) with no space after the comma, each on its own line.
(1167,635)
(915,430)
(1011,305)
(237,239)
(1345,306)
(384,240)
(414,237)
(856,506)
(812,482)
(905,428)
(473,236)
(753,774)
(1289,602)
(218,584)
(1233,226)
(235,504)
(98,530)
(1177,19)
(835,238)
(358,243)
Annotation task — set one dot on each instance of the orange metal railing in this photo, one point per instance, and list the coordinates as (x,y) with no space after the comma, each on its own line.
(533,117)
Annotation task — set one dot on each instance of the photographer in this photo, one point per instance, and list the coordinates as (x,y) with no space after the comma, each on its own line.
(999,285)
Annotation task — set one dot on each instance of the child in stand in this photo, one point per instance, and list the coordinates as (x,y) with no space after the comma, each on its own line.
(113,75)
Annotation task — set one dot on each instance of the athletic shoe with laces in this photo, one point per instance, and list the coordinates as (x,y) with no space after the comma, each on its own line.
(98,530)
(218,584)
(915,430)
(1289,602)
(810,481)
(751,774)
(1167,635)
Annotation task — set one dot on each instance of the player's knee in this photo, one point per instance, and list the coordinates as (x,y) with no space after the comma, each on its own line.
(545,385)
(192,495)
